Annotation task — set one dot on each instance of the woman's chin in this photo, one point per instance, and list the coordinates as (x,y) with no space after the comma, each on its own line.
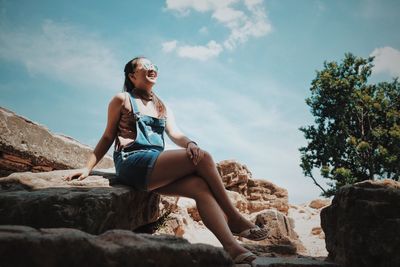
(152,80)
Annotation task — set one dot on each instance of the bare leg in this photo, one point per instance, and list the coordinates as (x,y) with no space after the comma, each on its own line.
(172,165)
(195,187)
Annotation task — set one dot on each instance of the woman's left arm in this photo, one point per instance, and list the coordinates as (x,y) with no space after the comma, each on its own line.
(178,137)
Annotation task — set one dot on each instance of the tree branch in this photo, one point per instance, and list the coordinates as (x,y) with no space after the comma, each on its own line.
(316,183)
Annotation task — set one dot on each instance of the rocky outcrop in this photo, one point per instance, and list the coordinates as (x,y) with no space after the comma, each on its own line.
(291,262)
(280,231)
(92,205)
(25,246)
(362,225)
(260,194)
(319,203)
(282,239)
(28,146)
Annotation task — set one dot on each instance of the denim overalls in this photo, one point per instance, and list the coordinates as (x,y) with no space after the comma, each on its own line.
(134,163)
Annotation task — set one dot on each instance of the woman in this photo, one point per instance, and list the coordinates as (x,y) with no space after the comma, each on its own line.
(137,119)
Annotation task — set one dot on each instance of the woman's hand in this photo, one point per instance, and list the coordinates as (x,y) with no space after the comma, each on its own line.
(80,174)
(195,153)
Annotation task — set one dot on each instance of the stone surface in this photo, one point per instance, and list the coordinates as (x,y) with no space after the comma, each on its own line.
(316,230)
(319,203)
(260,194)
(25,246)
(28,146)
(91,205)
(188,225)
(289,262)
(281,231)
(187,221)
(362,225)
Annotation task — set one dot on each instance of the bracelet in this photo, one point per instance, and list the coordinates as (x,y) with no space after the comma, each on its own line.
(191,142)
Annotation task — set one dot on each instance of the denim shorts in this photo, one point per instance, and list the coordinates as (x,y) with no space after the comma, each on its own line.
(134,167)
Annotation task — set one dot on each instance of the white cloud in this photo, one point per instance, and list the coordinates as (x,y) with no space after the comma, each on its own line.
(169,46)
(62,52)
(387,59)
(254,26)
(184,6)
(229,16)
(212,49)
(243,23)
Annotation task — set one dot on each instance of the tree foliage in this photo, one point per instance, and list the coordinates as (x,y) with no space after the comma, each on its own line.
(356,135)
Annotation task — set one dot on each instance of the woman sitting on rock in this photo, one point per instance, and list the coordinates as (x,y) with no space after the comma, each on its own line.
(136,122)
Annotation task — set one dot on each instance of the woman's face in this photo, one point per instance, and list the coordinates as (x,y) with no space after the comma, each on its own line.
(145,74)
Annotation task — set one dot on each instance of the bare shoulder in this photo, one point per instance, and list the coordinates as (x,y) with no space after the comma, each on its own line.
(117,101)
(119,97)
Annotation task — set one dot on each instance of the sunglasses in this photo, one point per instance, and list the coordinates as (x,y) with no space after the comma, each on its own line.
(150,66)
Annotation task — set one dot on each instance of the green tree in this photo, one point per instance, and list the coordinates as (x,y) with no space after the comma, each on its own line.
(356,135)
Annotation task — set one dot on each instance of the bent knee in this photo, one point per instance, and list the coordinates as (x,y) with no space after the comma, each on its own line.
(207,156)
(199,187)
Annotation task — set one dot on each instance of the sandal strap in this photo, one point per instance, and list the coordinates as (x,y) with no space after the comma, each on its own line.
(256,233)
(252,231)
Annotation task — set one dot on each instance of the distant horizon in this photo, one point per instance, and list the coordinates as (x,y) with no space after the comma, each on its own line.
(235,73)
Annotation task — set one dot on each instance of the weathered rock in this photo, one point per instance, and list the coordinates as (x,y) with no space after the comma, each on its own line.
(281,227)
(174,224)
(28,146)
(92,205)
(291,262)
(169,203)
(239,201)
(319,203)
(282,239)
(181,223)
(281,231)
(194,213)
(260,194)
(362,225)
(316,231)
(25,246)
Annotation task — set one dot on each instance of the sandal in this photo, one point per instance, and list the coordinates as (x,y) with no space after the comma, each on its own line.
(256,234)
(245,258)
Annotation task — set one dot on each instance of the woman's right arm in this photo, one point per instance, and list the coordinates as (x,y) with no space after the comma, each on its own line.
(106,140)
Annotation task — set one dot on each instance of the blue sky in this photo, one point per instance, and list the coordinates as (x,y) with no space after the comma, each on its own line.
(235,72)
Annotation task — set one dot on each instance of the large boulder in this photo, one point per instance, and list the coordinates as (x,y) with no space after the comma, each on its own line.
(362,225)
(281,233)
(25,246)
(28,146)
(260,194)
(45,200)
(319,203)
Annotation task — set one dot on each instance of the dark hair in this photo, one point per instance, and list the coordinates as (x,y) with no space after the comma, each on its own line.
(129,87)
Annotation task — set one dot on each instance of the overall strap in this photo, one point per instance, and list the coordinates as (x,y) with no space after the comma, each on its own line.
(133,103)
